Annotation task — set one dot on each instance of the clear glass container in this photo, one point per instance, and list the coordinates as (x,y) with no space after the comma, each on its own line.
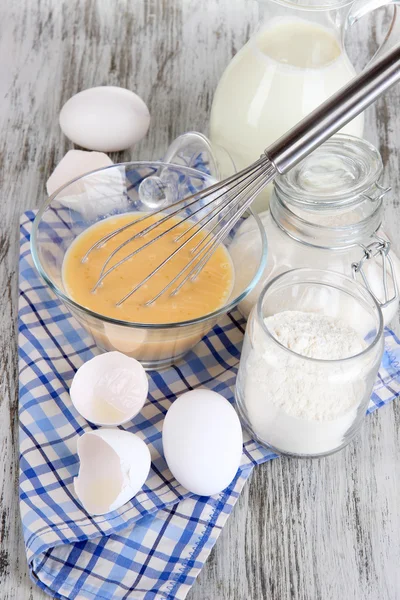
(294,61)
(326,213)
(299,405)
(134,188)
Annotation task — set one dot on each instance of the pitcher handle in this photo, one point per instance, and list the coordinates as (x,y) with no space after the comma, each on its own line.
(360,8)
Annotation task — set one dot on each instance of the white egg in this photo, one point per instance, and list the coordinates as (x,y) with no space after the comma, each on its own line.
(202,440)
(105,118)
(74,164)
(114,465)
(109,389)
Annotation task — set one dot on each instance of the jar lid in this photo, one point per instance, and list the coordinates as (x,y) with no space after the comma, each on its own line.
(344,171)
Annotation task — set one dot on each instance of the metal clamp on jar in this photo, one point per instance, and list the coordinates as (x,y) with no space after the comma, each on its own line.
(380,248)
(326,213)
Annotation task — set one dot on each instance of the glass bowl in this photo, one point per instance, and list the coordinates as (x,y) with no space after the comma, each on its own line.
(134,187)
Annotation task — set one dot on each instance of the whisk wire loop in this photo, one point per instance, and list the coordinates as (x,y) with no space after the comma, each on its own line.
(196,195)
(218,238)
(233,191)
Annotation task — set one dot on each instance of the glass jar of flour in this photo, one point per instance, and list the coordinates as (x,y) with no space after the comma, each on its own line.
(326,213)
(312,350)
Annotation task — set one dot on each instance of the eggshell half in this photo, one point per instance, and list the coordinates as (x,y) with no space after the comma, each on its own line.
(109,389)
(74,164)
(105,118)
(93,195)
(202,440)
(114,465)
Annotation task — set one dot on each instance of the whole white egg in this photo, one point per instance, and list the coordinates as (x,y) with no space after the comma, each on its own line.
(202,441)
(105,118)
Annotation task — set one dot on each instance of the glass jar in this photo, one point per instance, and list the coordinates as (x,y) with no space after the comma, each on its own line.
(326,213)
(299,405)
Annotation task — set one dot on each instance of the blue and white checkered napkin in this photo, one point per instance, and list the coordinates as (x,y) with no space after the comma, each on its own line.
(156,544)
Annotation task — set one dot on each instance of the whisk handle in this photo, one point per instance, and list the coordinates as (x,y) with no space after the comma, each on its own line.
(333,114)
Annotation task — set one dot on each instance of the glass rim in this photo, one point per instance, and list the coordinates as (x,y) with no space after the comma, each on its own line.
(308,6)
(153,326)
(307,270)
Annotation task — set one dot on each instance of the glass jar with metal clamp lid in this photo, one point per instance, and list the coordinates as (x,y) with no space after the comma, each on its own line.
(326,213)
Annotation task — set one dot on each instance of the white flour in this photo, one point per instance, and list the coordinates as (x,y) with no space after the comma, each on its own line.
(300,406)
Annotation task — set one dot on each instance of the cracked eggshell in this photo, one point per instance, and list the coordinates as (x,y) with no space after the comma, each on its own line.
(114,465)
(93,194)
(109,389)
(74,164)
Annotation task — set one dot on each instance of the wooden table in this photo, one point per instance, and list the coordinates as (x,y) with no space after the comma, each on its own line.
(325,529)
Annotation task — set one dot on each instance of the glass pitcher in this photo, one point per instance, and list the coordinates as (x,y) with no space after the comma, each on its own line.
(294,61)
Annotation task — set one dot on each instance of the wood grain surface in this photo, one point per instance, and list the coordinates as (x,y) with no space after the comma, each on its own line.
(325,529)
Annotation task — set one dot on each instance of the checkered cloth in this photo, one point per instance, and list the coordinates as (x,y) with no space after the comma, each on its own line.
(156,544)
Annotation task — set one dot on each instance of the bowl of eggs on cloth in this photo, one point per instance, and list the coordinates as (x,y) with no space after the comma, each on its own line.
(88,246)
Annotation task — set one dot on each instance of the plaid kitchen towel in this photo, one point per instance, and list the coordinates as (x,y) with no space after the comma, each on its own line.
(155,545)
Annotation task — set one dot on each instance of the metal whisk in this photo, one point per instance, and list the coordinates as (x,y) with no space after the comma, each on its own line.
(219,207)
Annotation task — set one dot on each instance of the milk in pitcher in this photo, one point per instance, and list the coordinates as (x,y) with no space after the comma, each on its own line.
(289,68)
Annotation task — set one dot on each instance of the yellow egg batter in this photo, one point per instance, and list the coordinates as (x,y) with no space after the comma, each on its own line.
(208,292)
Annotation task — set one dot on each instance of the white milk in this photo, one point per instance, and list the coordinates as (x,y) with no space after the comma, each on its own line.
(278,77)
